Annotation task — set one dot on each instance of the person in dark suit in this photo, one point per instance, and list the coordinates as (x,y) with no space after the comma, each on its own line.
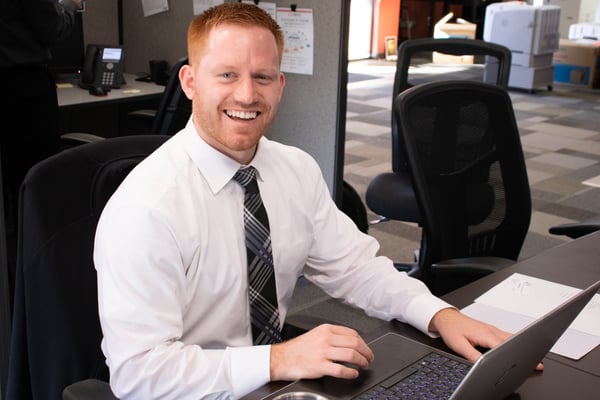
(29,111)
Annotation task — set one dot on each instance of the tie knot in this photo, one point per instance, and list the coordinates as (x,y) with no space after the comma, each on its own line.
(244,176)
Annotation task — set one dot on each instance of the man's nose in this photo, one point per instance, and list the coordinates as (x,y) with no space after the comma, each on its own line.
(245,91)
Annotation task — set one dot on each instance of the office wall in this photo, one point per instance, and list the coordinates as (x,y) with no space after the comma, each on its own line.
(385,23)
(312,114)
(100,22)
(157,37)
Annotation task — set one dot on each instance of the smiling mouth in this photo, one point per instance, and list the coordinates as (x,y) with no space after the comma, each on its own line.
(243,115)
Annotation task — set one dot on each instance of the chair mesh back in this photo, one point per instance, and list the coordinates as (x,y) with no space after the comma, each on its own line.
(465,157)
(427,59)
(175,108)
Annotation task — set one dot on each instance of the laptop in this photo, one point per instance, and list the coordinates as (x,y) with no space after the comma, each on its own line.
(400,363)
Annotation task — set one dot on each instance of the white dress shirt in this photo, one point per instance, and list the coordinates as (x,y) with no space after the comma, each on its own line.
(171,262)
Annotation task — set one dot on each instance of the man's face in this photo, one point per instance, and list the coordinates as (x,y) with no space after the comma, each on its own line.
(235,86)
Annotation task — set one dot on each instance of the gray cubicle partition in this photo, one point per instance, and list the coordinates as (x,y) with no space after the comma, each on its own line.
(312,115)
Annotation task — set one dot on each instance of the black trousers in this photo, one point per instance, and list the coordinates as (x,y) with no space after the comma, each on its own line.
(29,133)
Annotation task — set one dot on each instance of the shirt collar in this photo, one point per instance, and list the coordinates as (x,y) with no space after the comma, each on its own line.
(217,168)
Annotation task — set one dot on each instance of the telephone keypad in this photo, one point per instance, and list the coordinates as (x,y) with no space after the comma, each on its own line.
(108,78)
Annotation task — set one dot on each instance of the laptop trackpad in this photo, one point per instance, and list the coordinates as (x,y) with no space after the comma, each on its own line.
(392,353)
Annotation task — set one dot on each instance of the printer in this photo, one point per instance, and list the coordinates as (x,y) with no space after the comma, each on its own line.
(532,35)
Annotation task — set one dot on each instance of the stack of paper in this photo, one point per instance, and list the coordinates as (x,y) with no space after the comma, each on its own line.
(520,299)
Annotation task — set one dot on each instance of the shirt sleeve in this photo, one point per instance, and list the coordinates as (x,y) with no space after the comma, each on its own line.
(142,302)
(345,264)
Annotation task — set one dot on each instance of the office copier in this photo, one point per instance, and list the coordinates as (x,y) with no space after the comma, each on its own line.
(532,35)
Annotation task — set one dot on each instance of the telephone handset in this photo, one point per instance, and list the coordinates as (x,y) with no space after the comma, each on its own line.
(103,67)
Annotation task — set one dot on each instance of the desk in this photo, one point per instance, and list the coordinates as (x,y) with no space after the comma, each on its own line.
(105,115)
(574,263)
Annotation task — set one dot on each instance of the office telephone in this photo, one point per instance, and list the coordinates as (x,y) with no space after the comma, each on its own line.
(103,67)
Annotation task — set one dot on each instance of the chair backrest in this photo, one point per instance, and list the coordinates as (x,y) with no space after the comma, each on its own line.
(467,169)
(174,108)
(428,59)
(5,299)
(56,332)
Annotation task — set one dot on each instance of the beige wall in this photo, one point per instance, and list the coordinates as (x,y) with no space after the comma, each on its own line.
(160,36)
(100,23)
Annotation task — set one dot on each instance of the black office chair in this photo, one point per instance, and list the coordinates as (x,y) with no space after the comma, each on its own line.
(56,332)
(390,194)
(5,298)
(173,111)
(56,335)
(467,168)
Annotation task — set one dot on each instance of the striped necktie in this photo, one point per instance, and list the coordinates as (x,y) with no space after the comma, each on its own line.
(264,314)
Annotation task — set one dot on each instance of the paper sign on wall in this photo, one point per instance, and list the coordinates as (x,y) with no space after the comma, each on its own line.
(298,29)
(269,7)
(202,5)
(151,7)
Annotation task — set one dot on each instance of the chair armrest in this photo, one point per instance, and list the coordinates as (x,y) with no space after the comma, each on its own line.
(74,139)
(89,389)
(452,274)
(411,269)
(140,121)
(143,114)
(576,229)
(474,266)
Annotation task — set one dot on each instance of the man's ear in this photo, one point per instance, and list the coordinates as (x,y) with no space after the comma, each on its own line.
(186,78)
(281,84)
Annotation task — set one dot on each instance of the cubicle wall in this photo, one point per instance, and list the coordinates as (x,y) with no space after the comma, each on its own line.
(312,115)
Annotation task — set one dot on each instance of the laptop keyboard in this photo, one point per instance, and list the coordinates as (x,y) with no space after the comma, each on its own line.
(432,377)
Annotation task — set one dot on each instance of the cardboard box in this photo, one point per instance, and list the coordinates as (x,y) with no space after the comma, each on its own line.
(444,29)
(577,62)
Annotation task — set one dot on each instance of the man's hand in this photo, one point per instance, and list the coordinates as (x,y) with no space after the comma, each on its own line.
(463,334)
(320,352)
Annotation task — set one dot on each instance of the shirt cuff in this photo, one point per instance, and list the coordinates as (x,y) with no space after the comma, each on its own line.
(250,368)
(422,309)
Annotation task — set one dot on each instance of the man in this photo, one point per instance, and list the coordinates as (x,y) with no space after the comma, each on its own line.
(29,112)
(171,251)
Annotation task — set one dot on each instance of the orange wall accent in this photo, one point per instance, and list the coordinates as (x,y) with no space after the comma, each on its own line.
(386,15)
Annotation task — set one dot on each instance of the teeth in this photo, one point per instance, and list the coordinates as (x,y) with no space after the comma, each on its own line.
(242,114)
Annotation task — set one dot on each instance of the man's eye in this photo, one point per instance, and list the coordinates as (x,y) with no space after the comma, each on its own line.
(264,78)
(227,75)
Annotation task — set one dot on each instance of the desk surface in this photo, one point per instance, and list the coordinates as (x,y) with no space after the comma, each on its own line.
(70,95)
(574,263)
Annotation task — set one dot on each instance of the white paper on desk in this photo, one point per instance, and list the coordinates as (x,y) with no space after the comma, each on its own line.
(573,344)
(534,297)
(519,299)
(526,295)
